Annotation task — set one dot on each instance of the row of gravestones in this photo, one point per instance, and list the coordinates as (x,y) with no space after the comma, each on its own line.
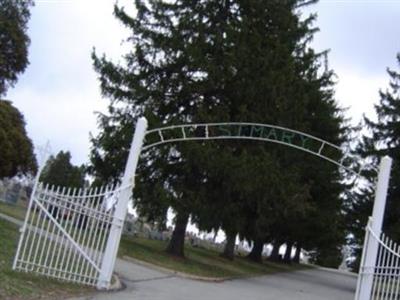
(138,228)
(12,192)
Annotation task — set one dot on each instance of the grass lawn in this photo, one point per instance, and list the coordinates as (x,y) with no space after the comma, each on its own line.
(17,211)
(17,285)
(200,262)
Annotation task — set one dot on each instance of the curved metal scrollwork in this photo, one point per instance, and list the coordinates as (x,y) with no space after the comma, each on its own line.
(257,132)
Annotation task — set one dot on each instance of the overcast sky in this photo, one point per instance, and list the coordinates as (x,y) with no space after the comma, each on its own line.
(59,93)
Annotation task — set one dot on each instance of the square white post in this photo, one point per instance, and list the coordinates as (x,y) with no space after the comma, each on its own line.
(110,254)
(371,245)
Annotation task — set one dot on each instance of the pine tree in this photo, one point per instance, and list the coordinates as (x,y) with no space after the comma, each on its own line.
(383,138)
(207,61)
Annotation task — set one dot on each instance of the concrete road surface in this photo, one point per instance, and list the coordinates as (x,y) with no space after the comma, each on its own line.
(143,283)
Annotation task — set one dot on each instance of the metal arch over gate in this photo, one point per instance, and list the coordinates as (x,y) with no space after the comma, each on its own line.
(256,132)
(45,233)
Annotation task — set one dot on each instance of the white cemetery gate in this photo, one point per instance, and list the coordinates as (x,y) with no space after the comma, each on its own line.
(382,277)
(74,234)
(66,231)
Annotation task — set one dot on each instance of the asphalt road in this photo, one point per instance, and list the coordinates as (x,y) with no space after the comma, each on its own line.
(143,283)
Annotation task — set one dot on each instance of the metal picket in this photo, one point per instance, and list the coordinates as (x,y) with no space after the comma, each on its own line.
(384,275)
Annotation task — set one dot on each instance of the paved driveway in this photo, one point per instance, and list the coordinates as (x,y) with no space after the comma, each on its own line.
(312,284)
(144,283)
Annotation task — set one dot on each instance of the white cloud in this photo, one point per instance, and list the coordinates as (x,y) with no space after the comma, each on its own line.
(359,92)
(59,91)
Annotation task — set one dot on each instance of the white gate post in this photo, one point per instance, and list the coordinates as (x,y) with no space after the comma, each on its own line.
(371,249)
(110,254)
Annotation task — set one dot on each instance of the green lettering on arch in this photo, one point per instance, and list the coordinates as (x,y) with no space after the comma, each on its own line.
(271,135)
(287,137)
(225,130)
(256,131)
(304,140)
(244,130)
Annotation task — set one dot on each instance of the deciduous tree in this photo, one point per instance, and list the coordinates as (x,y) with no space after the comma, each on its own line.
(59,171)
(16,149)
(14,41)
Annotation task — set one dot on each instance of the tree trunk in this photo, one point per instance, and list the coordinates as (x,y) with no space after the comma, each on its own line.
(177,242)
(256,251)
(296,258)
(229,250)
(288,253)
(275,252)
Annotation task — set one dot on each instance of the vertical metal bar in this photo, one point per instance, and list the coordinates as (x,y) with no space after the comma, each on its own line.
(381,259)
(383,265)
(54,242)
(35,225)
(26,231)
(362,269)
(85,238)
(60,241)
(78,232)
(41,221)
(377,219)
(28,212)
(394,272)
(51,207)
(381,254)
(107,266)
(397,270)
(386,269)
(393,268)
(390,270)
(375,269)
(63,267)
(92,238)
(104,229)
(75,231)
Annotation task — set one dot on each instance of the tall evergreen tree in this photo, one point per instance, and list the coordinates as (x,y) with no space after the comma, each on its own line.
(383,138)
(209,61)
